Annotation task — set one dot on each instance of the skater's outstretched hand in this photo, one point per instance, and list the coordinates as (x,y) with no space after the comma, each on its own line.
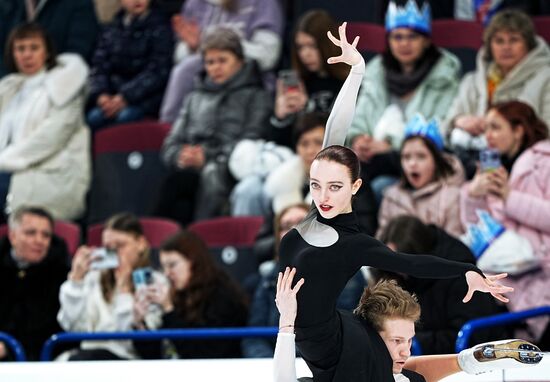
(489,284)
(349,55)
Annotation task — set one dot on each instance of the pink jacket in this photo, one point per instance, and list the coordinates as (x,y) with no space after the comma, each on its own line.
(527,212)
(436,203)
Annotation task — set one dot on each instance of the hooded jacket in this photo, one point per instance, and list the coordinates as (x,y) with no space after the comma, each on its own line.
(529,82)
(525,212)
(49,152)
(217,116)
(29,300)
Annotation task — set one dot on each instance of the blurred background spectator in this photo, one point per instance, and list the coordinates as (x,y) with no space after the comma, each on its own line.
(33,265)
(72,24)
(258,23)
(518,195)
(514,63)
(430,182)
(411,76)
(98,297)
(130,67)
(44,143)
(443,312)
(228,105)
(312,84)
(199,295)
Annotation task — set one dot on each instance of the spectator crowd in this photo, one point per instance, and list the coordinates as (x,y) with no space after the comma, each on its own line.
(246,90)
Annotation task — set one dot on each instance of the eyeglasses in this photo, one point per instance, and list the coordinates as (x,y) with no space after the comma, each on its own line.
(404,37)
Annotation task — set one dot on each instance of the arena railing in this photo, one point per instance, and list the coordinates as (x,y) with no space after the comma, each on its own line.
(148,335)
(469,327)
(14,345)
(174,334)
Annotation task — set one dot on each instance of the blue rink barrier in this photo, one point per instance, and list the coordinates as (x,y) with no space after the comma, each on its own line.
(14,345)
(469,327)
(147,335)
(175,334)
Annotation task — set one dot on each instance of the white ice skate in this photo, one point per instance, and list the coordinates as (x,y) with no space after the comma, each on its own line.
(497,355)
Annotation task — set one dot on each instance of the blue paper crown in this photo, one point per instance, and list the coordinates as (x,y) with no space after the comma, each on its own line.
(417,126)
(409,16)
(482,234)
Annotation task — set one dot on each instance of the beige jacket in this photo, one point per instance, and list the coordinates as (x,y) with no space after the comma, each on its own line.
(437,203)
(49,153)
(529,82)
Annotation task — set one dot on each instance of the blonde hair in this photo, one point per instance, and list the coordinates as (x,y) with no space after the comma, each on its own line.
(384,300)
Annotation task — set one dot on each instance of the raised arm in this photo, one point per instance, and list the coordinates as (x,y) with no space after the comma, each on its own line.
(371,252)
(343,109)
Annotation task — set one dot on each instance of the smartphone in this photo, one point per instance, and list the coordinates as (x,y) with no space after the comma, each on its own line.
(104,258)
(142,277)
(290,80)
(489,160)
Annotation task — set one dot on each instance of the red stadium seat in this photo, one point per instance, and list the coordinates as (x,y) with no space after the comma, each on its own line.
(542,26)
(230,240)
(156,230)
(463,38)
(372,37)
(128,172)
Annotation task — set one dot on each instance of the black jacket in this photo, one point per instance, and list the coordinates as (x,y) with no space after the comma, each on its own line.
(443,312)
(134,60)
(29,298)
(225,308)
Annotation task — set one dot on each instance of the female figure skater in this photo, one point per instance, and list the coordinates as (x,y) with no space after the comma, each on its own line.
(327,248)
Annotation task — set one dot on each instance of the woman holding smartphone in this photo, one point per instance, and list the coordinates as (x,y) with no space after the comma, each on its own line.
(101,300)
(200,295)
(518,195)
(311,84)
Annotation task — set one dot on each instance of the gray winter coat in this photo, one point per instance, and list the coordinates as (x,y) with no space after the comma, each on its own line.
(218,116)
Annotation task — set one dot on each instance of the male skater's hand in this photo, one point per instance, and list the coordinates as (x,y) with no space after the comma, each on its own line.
(349,55)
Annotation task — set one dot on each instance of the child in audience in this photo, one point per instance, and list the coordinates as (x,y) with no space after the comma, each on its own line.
(430,182)
(131,65)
